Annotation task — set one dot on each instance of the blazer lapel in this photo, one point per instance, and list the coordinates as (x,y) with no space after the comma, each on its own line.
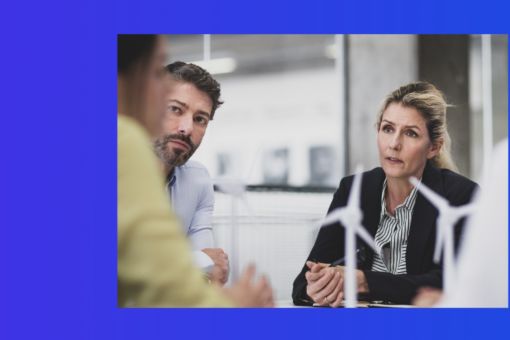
(371,191)
(423,222)
(371,199)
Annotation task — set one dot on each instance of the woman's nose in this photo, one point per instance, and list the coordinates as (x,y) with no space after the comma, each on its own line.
(395,142)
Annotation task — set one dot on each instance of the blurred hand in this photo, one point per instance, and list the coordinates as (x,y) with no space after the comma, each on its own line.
(219,273)
(427,297)
(326,284)
(245,293)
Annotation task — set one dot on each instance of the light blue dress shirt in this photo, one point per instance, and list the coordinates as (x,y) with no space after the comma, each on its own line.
(192,196)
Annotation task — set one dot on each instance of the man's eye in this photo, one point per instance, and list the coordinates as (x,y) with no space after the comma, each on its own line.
(175,109)
(201,120)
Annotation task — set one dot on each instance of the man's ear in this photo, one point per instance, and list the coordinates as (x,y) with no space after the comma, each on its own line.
(434,149)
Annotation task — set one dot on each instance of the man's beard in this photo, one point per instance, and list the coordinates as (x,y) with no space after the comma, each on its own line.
(173,157)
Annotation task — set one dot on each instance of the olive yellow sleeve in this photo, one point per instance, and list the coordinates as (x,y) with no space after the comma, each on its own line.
(154,259)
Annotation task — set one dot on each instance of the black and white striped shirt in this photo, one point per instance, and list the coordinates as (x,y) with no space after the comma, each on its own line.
(391,235)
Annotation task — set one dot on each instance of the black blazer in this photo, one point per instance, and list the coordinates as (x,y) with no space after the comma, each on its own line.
(421,270)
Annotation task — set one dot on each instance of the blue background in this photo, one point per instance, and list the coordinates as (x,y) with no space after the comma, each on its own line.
(58,166)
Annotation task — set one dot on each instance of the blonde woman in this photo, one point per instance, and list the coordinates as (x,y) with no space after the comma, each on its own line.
(412,140)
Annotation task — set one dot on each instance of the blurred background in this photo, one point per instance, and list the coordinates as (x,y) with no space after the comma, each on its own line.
(299,115)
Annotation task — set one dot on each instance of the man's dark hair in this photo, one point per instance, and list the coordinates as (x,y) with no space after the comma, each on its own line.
(199,77)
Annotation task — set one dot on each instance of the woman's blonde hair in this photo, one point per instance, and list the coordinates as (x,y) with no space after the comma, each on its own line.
(431,103)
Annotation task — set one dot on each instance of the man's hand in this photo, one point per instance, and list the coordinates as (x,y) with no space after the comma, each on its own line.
(219,273)
(245,293)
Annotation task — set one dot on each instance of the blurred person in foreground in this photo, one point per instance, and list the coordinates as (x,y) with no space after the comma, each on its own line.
(412,140)
(482,269)
(154,259)
(191,104)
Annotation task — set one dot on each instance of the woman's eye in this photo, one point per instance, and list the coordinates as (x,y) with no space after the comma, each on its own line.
(387,128)
(411,133)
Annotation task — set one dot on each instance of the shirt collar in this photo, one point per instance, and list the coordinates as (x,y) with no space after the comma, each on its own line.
(408,203)
(170,178)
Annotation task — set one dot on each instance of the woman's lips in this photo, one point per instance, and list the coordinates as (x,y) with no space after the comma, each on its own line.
(394,160)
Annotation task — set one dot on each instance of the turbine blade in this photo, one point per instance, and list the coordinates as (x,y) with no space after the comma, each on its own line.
(438,201)
(439,242)
(465,209)
(354,195)
(331,218)
(231,186)
(365,236)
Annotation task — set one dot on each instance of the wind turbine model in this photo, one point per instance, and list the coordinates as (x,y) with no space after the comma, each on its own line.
(350,218)
(446,219)
(236,189)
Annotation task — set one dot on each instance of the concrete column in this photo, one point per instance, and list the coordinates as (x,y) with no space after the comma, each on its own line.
(443,61)
(377,64)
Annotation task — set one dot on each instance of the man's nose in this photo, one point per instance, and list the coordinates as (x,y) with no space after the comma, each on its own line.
(185,125)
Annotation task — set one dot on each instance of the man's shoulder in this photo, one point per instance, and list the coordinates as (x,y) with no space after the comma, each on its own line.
(193,166)
(193,178)
(193,170)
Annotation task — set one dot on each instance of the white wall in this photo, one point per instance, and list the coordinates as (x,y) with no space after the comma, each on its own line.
(267,111)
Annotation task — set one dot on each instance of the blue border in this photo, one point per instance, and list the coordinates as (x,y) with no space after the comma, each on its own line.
(58,166)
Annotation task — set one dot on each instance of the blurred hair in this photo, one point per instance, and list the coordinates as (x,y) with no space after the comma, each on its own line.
(133,49)
(134,52)
(203,81)
(431,104)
